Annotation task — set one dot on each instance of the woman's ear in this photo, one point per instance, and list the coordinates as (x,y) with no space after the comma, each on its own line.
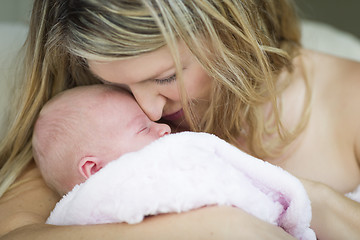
(89,165)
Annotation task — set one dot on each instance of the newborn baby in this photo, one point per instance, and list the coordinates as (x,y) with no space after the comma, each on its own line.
(80,130)
(85,128)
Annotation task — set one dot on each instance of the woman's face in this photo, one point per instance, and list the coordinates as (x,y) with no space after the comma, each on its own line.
(151,78)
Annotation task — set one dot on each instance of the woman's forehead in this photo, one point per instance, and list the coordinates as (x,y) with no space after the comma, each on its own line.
(139,68)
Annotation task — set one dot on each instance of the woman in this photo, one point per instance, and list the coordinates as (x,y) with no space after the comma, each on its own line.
(233,68)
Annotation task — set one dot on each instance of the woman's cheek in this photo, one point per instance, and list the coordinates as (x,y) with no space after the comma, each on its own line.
(198,85)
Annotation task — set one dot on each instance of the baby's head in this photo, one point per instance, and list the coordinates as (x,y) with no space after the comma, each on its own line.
(82,129)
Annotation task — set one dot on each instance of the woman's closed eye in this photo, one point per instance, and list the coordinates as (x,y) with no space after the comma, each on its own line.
(167,80)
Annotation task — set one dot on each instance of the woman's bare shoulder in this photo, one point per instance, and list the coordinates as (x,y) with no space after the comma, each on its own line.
(327,143)
(335,81)
(351,103)
(338,82)
(28,201)
(346,99)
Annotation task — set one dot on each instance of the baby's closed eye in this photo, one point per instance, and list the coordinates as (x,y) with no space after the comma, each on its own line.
(143,130)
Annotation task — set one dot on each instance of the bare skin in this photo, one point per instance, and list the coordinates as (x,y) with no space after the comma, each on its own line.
(327,154)
(328,151)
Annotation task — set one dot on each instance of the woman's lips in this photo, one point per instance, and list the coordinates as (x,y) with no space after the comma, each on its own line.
(175,116)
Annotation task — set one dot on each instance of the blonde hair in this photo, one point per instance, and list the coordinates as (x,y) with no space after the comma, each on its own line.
(48,70)
(242,45)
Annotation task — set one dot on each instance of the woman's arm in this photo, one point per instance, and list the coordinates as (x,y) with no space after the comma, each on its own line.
(25,208)
(206,223)
(334,215)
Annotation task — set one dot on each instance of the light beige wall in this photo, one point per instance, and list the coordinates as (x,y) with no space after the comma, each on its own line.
(15,10)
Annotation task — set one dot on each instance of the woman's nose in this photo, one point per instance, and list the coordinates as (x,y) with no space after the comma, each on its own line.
(149,100)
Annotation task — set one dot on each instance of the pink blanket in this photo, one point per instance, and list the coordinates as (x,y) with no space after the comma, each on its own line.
(185,171)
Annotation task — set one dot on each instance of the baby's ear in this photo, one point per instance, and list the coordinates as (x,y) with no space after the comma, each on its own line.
(89,165)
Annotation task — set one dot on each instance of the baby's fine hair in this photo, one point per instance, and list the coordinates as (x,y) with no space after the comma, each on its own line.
(61,136)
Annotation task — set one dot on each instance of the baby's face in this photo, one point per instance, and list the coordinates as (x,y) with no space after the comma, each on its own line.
(124,126)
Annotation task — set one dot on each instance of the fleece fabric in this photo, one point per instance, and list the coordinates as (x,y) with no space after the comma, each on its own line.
(186,171)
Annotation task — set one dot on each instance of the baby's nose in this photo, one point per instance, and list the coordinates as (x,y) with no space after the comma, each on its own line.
(164,129)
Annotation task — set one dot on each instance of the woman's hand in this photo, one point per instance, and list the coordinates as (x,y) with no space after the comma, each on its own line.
(334,216)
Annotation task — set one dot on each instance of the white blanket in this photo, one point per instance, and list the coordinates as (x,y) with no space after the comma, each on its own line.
(185,171)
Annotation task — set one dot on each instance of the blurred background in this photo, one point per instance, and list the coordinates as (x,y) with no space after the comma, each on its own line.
(340,14)
(343,14)
(15,10)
